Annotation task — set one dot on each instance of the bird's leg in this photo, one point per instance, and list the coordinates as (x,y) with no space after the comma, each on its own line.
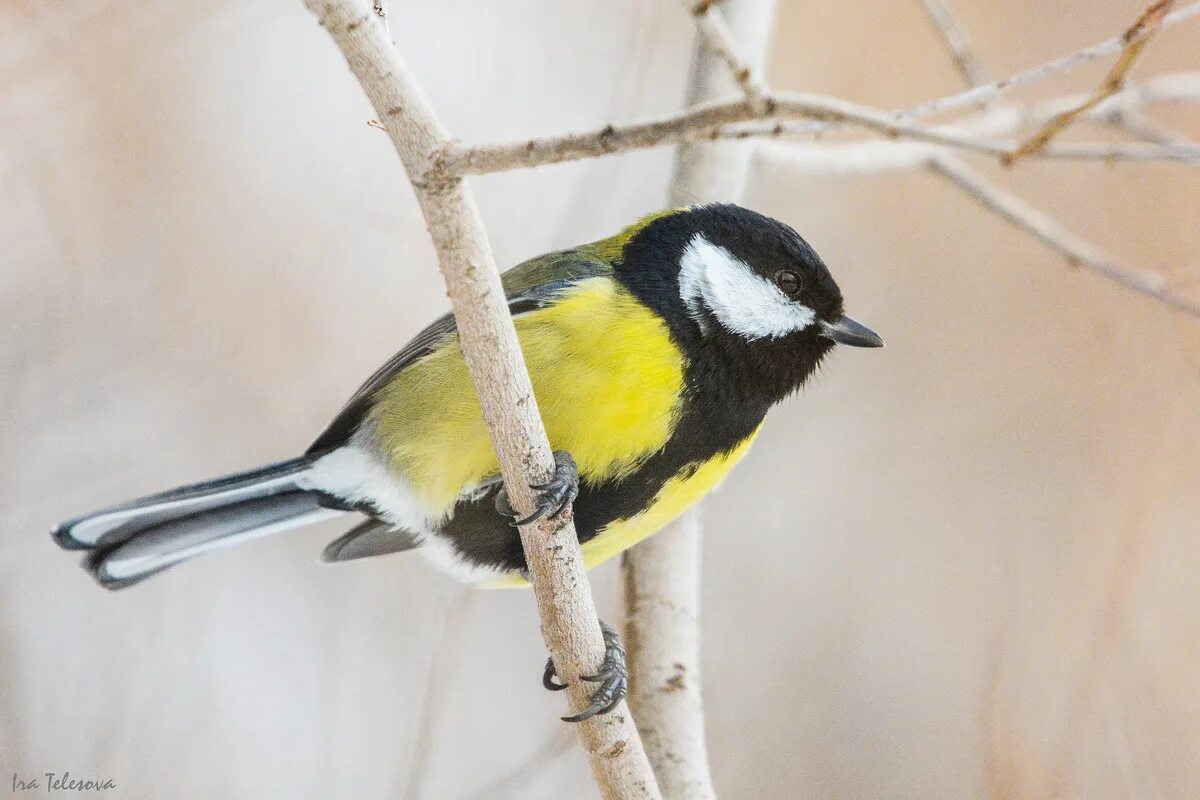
(613,678)
(553,496)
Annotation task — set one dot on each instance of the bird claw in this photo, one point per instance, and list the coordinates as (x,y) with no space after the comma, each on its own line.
(553,496)
(549,677)
(612,676)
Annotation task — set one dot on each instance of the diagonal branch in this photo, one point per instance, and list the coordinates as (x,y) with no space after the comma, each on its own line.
(1075,249)
(1136,39)
(990,91)
(489,343)
(719,39)
(955,39)
(1142,126)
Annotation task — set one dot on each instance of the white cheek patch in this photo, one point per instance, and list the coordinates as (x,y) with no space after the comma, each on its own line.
(745,302)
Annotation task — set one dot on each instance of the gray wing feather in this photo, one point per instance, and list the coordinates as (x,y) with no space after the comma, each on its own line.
(369,539)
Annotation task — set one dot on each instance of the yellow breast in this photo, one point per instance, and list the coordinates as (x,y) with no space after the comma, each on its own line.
(607,379)
(676,496)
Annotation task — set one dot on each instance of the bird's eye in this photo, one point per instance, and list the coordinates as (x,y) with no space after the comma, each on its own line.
(788,282)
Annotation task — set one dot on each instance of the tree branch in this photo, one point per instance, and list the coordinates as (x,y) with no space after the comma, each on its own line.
(489,343)
(717,119)
(956,41)
(698,123)
(662,574)
(990,91)
(862,157)
(1076,250)
(719,41)
(878,157)
(1136,39)
(1009,120)
(662,638)
(1142,126)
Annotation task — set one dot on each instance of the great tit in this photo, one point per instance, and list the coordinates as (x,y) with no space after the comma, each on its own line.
(654,355)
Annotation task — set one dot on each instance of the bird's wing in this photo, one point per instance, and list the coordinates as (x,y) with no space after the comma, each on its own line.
(370,538)
(528,286)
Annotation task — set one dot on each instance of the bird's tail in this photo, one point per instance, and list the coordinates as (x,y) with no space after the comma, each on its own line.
(133,541)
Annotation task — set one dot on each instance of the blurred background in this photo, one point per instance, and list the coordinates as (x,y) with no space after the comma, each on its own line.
(961,567)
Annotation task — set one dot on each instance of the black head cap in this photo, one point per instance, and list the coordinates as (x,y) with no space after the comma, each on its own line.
(724,264)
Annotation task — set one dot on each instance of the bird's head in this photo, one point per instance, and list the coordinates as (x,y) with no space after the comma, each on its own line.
(730,279)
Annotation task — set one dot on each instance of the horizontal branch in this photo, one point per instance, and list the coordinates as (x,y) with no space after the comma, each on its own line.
(737,118)
(714,119)
(999,120)
(1165,152)
(1075,249)
(885,156)
(873,157)
(1010,120)
(698,123)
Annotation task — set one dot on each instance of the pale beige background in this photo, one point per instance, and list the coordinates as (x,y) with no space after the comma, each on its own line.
(961,567)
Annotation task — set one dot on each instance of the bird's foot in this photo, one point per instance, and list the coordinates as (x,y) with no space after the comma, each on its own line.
(553,496)
(613,678)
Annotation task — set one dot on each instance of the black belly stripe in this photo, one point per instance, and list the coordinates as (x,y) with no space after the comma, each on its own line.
(706,428)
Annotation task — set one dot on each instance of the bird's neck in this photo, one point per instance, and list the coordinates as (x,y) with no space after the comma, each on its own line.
(758,374)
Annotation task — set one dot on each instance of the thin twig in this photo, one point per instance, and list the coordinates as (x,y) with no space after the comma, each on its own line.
(956,41)
(1145,128)
(1004,120)
(710,22)
(489,344)
(1136,39)
(1181,153)
(846,158)
(989,91)
(877,156)
(1076,250)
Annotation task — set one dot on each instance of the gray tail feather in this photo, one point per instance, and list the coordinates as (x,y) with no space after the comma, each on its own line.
(368,539)
(133,541)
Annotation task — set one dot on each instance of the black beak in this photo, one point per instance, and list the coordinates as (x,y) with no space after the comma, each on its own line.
(848,331)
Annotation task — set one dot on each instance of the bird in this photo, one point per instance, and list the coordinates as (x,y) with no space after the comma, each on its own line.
(654,355)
